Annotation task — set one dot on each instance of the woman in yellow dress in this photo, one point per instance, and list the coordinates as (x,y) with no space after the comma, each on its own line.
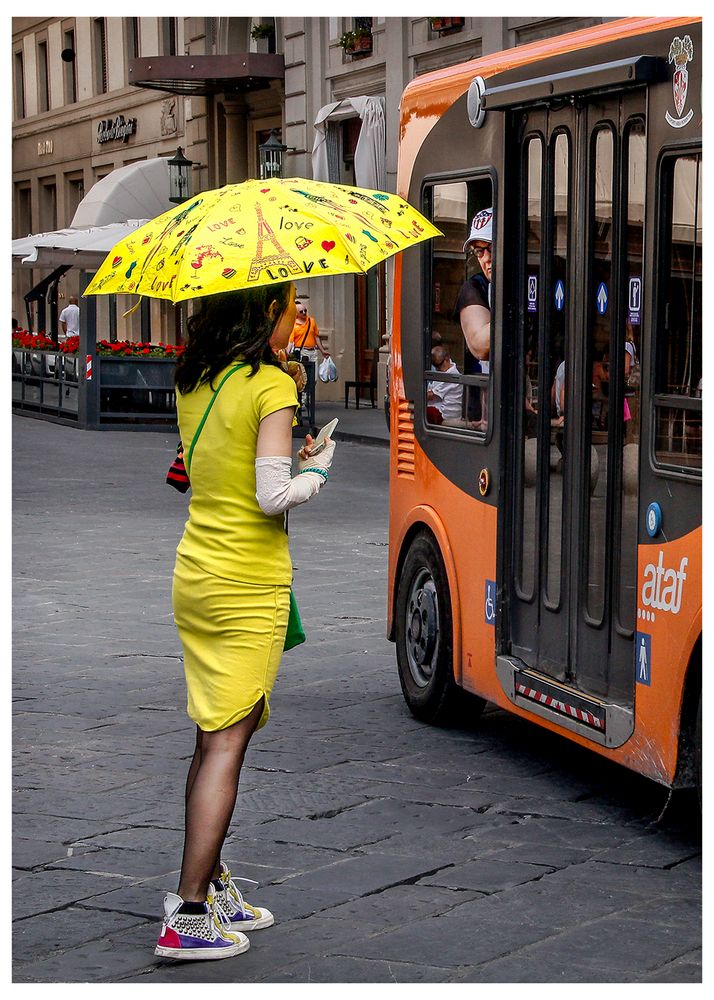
(231,585)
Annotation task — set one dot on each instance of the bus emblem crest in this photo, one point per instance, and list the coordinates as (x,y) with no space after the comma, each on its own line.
(680,52)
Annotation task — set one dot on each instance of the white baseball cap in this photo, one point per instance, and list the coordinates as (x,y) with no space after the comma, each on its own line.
(480,227)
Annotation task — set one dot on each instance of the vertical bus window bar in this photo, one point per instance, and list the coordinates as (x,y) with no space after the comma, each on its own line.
(527,384)
(631,318)
(557,312)
(597,359)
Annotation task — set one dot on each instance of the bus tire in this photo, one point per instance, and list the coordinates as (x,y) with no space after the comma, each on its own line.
(698,749)
(424,634)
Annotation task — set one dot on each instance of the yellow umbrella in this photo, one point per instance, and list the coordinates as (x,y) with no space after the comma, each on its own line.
(257,233)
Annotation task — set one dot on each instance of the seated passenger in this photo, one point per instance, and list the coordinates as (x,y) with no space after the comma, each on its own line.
(445,398)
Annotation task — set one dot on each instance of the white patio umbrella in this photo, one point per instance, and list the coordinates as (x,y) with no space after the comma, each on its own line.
(136,191)
(79,247)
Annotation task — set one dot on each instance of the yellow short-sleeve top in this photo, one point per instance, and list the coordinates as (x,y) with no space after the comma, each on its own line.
(227,533)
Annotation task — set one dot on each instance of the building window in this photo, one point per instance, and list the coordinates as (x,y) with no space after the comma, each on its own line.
(48,206)
(100,56)
(43,78)
(19,85)
(132,38)
(23,218)
(350,129)
(75,193)
(70,69)
(169,36)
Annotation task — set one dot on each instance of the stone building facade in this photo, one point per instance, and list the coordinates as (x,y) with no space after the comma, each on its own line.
(217,86)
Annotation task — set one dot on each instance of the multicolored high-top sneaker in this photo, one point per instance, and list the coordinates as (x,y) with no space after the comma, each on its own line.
(242,915)
(198,935)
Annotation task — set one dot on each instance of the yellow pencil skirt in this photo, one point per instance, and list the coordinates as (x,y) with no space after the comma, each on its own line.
(232,635)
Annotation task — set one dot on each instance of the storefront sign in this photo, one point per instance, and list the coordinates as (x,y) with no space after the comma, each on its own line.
(117,130)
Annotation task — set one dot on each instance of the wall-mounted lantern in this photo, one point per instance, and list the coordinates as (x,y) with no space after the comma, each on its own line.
(271,152)
(179,177)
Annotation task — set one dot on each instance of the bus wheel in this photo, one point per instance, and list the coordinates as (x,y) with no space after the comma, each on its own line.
(698,749)
(424,639)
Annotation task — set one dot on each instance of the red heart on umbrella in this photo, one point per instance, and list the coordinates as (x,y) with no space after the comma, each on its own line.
(264,190)
(328,245)
(116,261)
(353,201)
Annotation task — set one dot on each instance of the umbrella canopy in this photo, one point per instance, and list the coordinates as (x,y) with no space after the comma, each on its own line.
(136,191)
(260,233)
(80,247)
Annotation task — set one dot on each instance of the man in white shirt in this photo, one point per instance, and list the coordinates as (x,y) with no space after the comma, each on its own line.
(446,397)
(69,320)
(557,395)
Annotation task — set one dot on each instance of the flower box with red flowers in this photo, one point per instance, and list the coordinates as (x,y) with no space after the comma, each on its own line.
(23,340)
(445,25)
(357,42)
(142,350)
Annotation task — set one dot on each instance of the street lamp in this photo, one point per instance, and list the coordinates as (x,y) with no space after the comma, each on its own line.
(179,177)
(271,156)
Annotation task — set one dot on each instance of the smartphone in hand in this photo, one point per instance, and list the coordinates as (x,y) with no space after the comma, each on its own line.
(322,435)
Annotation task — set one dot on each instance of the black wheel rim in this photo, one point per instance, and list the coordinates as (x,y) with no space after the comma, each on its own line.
(422,628)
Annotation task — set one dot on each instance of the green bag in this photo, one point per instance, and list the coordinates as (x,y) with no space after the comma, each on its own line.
(295,633)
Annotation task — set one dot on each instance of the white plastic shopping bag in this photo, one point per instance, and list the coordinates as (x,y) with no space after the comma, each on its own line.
(327,372)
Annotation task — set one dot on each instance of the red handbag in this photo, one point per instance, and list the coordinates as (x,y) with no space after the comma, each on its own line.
(177,475)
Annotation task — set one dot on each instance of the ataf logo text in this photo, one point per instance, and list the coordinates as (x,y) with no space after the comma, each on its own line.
(662,589)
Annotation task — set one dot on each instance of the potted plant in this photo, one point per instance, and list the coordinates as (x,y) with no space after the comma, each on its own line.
(262,31)
(358,41)
(264,36)
(444,24)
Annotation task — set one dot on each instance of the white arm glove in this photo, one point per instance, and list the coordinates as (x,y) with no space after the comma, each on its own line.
(277,491)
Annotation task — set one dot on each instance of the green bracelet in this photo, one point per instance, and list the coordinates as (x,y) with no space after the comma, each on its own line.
(320,472)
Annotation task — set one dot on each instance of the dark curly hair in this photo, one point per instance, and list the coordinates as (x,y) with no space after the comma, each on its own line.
(229,327)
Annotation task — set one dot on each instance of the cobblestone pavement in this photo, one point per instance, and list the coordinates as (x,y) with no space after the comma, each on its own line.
(389,851)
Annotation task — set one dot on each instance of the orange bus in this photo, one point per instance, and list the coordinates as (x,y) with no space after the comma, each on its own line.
(545,489)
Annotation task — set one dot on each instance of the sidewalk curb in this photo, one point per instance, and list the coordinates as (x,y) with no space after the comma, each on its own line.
(361,438)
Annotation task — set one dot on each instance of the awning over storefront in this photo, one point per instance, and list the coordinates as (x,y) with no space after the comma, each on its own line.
(136,191)
(201,76)
(370,153)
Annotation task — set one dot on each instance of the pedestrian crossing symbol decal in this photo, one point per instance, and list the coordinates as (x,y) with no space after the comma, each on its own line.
(643,658)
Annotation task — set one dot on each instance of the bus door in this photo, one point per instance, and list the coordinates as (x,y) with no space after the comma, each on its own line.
(575,192)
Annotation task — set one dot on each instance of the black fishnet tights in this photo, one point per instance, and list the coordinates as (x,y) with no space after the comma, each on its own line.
(211,790)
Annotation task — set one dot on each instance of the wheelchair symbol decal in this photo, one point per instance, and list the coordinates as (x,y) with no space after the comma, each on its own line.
(490,603)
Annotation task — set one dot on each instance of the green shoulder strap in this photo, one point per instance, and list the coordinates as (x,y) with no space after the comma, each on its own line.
(196,436)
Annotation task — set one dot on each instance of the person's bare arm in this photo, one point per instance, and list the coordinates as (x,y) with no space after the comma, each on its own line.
(476,327)
(321,347)
(275,434)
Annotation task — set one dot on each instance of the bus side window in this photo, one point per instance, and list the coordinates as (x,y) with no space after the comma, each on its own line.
(457,354)
(678,385)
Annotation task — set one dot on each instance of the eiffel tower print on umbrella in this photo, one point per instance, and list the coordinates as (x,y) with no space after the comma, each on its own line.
(259,233)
